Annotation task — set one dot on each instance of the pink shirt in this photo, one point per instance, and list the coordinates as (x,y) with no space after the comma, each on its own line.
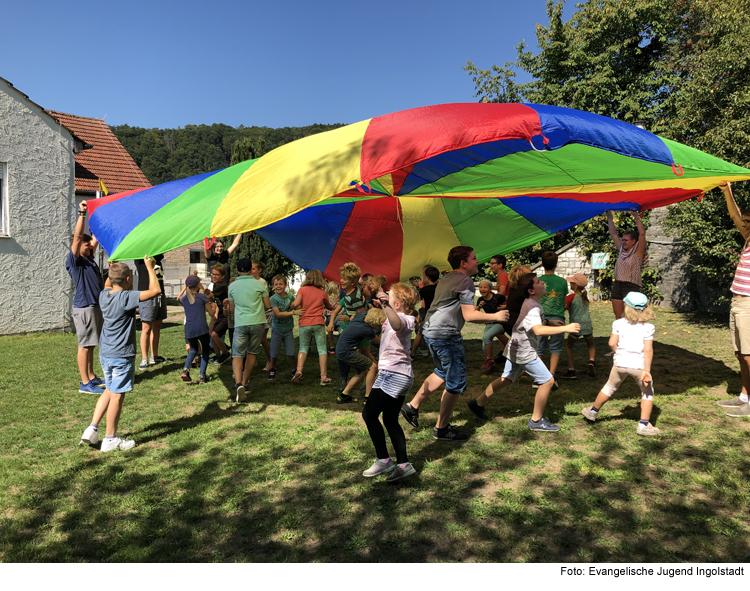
(395,347)
(741,283)
(312,303)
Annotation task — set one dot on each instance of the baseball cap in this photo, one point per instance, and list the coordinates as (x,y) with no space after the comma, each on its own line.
(636,300)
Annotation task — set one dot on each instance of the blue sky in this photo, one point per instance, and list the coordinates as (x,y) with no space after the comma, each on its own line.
(276,64)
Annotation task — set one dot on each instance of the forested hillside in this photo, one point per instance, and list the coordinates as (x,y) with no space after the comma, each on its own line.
(169,154)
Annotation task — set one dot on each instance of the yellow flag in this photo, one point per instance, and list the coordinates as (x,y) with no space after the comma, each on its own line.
(102,188)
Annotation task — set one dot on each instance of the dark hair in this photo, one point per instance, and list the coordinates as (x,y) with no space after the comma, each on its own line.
(549,260)
(84,238)
(526,283)
(260,266)
(432,273)
(632,234)
(458,255)
(500,259)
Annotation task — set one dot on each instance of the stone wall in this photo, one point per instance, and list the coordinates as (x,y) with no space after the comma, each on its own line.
(37,156)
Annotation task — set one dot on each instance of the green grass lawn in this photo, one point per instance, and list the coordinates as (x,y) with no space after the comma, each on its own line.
(279,478)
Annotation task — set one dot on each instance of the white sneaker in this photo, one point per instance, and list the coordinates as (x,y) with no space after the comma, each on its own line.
(90,436)
(117,443)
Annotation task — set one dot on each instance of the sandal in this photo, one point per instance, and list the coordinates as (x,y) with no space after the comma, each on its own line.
(325,381)
(297,376)
(186,376)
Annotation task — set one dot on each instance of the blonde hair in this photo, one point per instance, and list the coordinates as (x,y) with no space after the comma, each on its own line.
(190,295)
(119,274)
(635,316)
(350,272)
(279,278)
(314,278)
(333,289)
(406,296)
(219,269)
(515,275)
(380,280)
(375,318)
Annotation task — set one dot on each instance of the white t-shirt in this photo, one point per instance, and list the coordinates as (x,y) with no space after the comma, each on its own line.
(523,343)
(395,347)
(630,342)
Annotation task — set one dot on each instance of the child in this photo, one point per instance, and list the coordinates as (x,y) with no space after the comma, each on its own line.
(490,303)
(395,378)
(282,325)
(196,329)
(521,354)
(632,341)
(364,325)
(334,291)
(118,304)
(554,311)
(312,298)
(255,270)
(577,305)
(430,277)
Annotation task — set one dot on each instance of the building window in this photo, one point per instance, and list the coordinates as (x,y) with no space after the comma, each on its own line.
(195,256)
(4,223)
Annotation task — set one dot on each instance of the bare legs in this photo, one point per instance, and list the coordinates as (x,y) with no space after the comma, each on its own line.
(86,364)
(110,403)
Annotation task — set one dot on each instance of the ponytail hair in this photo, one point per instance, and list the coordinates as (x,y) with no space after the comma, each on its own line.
(525,283)
(584,296)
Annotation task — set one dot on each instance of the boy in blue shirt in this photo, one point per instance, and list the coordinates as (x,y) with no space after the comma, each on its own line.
(117,350)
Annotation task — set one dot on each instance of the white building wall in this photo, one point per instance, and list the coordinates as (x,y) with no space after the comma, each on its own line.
(37,292)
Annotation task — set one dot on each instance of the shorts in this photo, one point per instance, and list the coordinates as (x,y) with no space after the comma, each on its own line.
(535,368)
(308,333)
(739,324)
(622,288)
(246,340)
(578,335)
(279,336)
(491,331)
(153,310)
(119,373)
(450,362)
(358,362)
(221,326)
(88,323)
(420,324)
(618,374)
(555,341)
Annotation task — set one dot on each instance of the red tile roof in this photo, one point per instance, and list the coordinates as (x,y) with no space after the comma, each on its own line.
(107,160)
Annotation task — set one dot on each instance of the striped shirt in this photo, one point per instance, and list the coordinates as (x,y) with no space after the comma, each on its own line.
(392,383)
(628,266)
(741,283)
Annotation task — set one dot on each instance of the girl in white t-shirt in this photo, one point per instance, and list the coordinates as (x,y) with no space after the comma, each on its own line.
(395,378)
(521,355)
(632,341)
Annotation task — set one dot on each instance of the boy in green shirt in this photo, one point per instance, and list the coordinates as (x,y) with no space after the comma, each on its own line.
(553,303)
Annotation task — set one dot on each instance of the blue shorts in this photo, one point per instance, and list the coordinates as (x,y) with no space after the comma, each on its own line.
(450,362)
(119,373)
(285,336)
(536,369)
(246,339)
(555,341)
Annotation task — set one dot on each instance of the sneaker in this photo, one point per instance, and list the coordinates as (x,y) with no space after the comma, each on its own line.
(344,399)
(543,425)
(589,414)
(488,365)
(411,415)
(144,364)
(239,391)
(733,403)
(98,382)
(202,379)
(535,385)
(570,374)
(186,376)
(342,383)
(477,410)
(740,411)
(117,443)
(449,433)
(379,468)
(156,359)
(90,388)
(331,350)
(401,472)
(648,430)
(267,367)
(90,436)
(592,368)
(555,385)
(272,374)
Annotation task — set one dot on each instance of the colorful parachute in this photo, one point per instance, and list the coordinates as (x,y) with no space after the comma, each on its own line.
(397,192)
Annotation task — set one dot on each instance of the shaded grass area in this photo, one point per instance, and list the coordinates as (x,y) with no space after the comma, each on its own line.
(279,478)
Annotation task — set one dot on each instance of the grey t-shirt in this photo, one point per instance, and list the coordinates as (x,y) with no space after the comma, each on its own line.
(445,319)
(118,330)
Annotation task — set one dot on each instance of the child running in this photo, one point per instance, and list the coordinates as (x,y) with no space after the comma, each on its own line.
(312,298)
(196,329)
(395,378)
(521,354)
(632,342)
(577,305)
(282,325)
(364,325)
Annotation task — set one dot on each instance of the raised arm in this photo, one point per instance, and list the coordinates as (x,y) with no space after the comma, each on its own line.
(235,244)
(734,211)
(641,236)
(78,232)
(153,283)
(613,230)
(390,313)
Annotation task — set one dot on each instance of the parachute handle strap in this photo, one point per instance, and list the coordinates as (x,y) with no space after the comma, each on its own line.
(208,244)
(359,186)
(533,147)
(674,170)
